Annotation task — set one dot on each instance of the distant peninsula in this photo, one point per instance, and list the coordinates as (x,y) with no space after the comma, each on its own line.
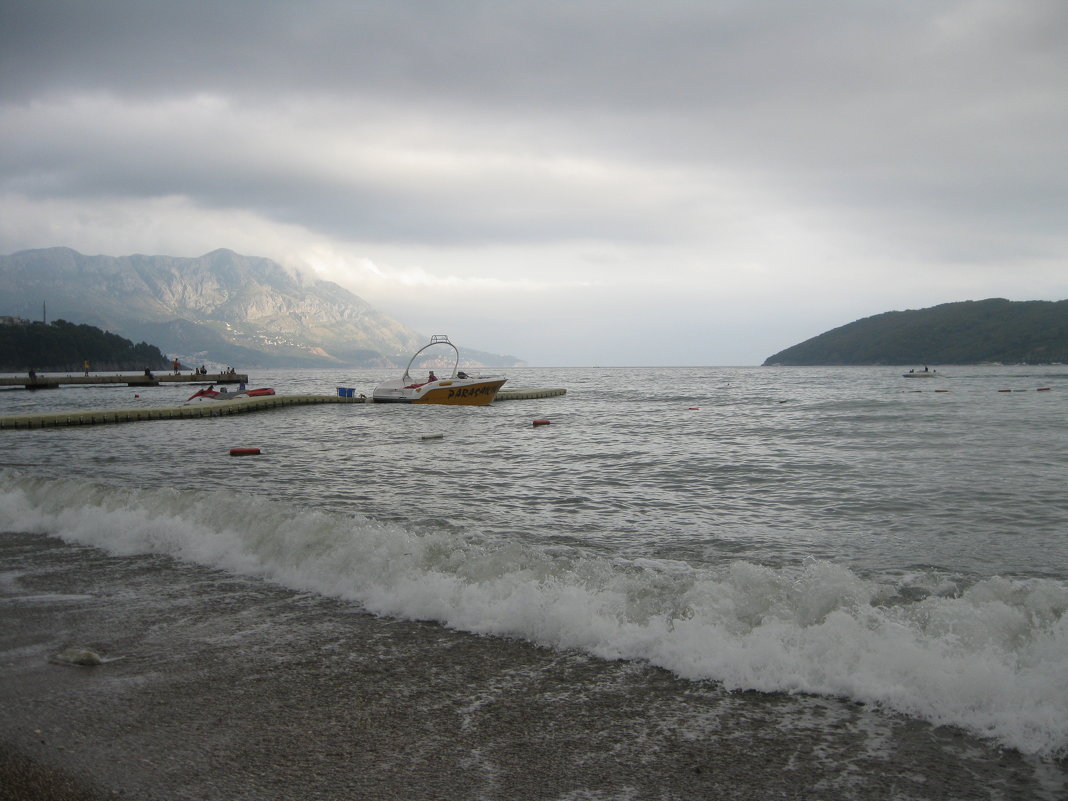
(65,347)
(969,332)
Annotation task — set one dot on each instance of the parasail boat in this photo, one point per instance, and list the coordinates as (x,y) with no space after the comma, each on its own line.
(459,389)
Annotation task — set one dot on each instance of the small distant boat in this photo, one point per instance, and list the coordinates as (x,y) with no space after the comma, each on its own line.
(212,394)
(924,373)
(459,389)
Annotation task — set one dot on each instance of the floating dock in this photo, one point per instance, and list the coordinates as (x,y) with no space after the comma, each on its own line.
(134,380)
(520,393)
(209,409)
(206,409)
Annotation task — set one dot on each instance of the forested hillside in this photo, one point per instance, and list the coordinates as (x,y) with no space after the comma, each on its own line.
(970,332)
(64,347)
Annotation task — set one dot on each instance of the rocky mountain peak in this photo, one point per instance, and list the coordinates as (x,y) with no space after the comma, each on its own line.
(222,307)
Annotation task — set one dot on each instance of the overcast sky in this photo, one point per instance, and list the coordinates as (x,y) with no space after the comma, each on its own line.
(573,182)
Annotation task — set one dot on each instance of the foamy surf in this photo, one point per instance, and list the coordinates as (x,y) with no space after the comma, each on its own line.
(987,657)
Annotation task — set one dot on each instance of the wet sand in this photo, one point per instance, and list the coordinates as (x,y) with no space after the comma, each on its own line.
(227,688)
(21,780)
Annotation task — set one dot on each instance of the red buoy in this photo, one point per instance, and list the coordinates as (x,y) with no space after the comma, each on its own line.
(244,451)
(541,422)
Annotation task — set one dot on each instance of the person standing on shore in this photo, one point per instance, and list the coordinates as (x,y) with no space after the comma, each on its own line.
(176,366)
(85,365)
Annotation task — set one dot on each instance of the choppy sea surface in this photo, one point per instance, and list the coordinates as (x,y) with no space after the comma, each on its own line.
(844,533)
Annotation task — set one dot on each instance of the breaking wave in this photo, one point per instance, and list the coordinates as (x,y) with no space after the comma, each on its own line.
(987,656)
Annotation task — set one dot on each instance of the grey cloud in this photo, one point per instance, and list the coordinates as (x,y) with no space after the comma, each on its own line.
(601,53)
(219,170)
(916,121)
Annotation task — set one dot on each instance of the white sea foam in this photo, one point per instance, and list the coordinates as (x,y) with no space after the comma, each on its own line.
(989,658)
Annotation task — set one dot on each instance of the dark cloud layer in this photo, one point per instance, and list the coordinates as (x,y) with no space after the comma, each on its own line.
(633,56)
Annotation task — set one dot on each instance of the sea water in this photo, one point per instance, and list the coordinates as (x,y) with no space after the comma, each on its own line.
(837,533)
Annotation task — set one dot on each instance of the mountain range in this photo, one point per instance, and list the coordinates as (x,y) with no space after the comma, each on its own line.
(968,332)
(221,307)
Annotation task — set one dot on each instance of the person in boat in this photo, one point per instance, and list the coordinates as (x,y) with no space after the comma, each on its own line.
(432,377)
(461,374)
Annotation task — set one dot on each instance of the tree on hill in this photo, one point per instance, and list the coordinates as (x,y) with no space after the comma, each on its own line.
(61,346)
(970,332)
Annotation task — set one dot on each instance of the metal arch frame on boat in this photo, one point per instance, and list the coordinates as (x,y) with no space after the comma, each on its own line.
(435,339)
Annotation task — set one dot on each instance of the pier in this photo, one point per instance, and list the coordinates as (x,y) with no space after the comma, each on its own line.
(52,381)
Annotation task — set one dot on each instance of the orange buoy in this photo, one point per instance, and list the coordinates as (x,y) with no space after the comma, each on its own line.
(541,422)
(244,451)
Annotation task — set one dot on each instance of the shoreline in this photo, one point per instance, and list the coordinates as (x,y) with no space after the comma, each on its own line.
(233,688)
